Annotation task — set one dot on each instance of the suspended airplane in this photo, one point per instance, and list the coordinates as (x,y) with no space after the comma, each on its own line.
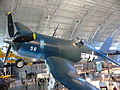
(16,59)
(59,54)
(2,55)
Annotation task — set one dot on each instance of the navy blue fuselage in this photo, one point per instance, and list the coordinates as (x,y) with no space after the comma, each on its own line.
(46,46)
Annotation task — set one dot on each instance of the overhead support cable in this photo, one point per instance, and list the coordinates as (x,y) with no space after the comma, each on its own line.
(115,31)
(115,34)
(52,16)
(101,28)
(47,15)
(13,6)
(41,15)
(85,17)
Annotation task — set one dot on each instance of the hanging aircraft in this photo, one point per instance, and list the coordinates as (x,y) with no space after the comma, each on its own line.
(2,55)
(16,59)
(59,54)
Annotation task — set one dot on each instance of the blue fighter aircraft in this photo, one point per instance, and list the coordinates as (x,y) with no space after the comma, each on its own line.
(59,54)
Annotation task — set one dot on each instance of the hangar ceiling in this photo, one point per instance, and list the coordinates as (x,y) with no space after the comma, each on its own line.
(92,20)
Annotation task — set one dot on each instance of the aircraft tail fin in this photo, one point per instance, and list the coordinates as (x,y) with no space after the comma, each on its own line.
(106,45)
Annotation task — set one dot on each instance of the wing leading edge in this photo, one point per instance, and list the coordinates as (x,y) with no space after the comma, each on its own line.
(64,72)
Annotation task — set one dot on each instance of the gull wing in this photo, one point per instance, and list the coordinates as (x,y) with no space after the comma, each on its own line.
(63,71)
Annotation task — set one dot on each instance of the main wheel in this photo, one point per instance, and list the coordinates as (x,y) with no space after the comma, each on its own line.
(19,63)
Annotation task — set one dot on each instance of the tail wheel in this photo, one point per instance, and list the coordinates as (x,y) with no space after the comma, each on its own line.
(19,63)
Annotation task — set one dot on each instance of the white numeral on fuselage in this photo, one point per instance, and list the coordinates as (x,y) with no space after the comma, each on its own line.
(32,48)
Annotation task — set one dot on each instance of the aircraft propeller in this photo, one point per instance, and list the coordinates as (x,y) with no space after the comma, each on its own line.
(22,34)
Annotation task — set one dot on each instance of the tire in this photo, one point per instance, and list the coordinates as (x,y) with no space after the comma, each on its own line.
(19,63)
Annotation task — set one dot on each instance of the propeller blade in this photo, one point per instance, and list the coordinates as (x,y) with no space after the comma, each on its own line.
(10,25)
(7,53)
(99,53)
